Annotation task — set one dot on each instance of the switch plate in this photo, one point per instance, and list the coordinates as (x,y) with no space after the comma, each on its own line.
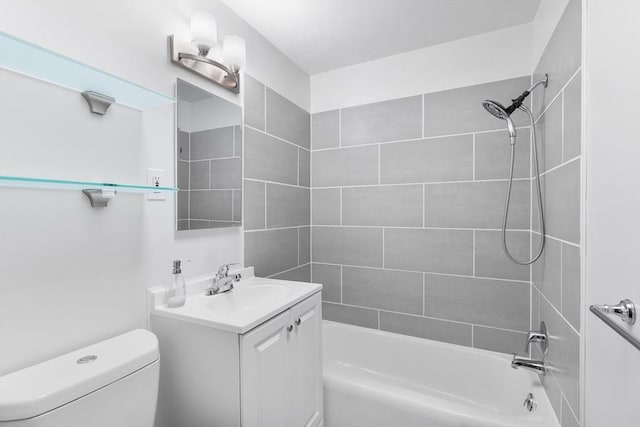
(156,178)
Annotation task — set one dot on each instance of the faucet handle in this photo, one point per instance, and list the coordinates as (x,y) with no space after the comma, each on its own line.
(223,270)
(540,336)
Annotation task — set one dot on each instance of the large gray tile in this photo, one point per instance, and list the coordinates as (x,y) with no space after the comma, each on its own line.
(183,145)
(347,245)
(183,224)
(287,206)
(222,224)
(460,110)
(395,205)
(497,303)
(226,173)
(212,143)
(572,119)
(388,290)
(568,418)
(304,245)
(564,354)
(330,277)
(304,167)
(183,205)
(199,175)
(325,129)
(269,159)
(562,56)
(493,152)
(326,206)
(271,251)
(422,327)
(476,205)
(547,270)
(352,315)
(571,284)
(428,160)
(237,205)
(562,207)
(499,340)
(254,205)
(196,224)
(211,205)
(535,314)
(491,260)
(436,251)
(254,102)
(344,166)
(552,388)
(287,121)
(392,120)
(549,137)
(300,274)
(183,175)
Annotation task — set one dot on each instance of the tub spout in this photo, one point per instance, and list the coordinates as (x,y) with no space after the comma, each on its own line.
(537,366)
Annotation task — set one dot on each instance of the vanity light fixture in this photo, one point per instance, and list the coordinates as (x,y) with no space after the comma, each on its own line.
(204,37)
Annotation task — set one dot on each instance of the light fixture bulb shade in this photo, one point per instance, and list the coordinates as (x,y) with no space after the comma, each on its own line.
(234,53)
(204,30)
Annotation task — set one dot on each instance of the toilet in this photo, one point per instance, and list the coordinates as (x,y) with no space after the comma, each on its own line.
(108,384)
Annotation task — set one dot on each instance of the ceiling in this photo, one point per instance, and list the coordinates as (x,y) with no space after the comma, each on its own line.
(321,35)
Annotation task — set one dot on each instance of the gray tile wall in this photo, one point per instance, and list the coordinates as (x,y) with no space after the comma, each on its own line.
(556,276)
(407,198)
(209,178)
(277,197)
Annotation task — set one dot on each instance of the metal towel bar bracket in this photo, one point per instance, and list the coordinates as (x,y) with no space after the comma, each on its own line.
(625,310)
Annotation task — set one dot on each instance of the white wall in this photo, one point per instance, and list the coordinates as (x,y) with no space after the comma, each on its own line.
(612,206)
(545,22)
(73,275)
(485,58)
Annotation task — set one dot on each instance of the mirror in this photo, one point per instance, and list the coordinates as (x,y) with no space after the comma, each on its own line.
(209,160)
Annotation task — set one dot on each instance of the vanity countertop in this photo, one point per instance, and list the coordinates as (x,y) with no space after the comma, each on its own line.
(253,301)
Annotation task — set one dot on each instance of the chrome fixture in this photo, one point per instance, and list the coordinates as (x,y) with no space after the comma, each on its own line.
(529,402)
(504,113)
(626,310)
(541,337)
(98,103)
(222,282)
(537,366)
(99,198)
(204,37)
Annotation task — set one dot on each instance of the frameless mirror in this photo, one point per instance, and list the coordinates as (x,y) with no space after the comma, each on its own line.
(209,160)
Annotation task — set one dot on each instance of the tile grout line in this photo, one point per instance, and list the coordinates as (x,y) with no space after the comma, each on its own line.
(501,180)
(278,138)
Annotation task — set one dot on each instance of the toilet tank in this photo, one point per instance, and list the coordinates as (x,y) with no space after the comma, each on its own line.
(108,384)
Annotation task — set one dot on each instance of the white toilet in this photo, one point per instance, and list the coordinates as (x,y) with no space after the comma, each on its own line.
(113,383)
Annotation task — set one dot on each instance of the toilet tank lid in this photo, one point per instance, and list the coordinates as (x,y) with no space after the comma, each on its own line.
(40,388)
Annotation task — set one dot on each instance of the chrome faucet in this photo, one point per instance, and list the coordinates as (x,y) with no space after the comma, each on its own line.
(222,281)
(537,366)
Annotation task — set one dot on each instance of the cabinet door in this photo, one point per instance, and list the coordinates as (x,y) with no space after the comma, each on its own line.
(307,353)
(265,355)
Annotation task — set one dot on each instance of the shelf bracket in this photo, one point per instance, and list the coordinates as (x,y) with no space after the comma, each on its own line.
(99,198)
(98,103)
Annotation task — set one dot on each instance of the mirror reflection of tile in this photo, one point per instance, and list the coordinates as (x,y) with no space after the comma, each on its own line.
(209,160)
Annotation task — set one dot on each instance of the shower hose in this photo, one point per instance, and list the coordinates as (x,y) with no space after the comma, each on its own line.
(538,191)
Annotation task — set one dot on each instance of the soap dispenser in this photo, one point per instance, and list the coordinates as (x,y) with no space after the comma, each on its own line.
(177,290)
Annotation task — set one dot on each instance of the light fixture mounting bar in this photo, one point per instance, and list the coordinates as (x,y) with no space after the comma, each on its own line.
(206,67)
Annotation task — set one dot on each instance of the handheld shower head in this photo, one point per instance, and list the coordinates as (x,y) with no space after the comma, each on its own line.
(498,110)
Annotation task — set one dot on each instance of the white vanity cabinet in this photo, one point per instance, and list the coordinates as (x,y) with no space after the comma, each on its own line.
(267,376)
(281,369)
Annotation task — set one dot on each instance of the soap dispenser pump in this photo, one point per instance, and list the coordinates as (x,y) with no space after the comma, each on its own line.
(177,290)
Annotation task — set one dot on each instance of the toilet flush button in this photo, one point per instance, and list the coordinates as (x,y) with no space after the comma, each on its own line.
(86,359)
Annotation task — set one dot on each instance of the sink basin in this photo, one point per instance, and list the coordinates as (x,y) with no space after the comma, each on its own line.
(252,301)
(248,298)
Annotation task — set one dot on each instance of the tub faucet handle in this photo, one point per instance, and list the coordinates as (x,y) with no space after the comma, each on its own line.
(540,336)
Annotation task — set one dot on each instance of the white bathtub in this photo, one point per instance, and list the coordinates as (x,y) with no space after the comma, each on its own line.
(375,378)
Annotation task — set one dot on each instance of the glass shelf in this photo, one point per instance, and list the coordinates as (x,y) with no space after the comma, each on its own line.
(34,61)
(61,184)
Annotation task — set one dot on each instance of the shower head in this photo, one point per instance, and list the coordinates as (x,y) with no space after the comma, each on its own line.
(498,110)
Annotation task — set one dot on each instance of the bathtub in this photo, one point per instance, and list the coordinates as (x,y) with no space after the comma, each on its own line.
(374,378)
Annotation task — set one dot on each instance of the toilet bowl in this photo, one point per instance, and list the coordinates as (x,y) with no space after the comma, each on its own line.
(108,384)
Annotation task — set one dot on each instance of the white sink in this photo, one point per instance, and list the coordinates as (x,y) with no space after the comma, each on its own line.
(252,301)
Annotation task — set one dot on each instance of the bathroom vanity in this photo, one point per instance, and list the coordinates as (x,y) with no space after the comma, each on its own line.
(248,357)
